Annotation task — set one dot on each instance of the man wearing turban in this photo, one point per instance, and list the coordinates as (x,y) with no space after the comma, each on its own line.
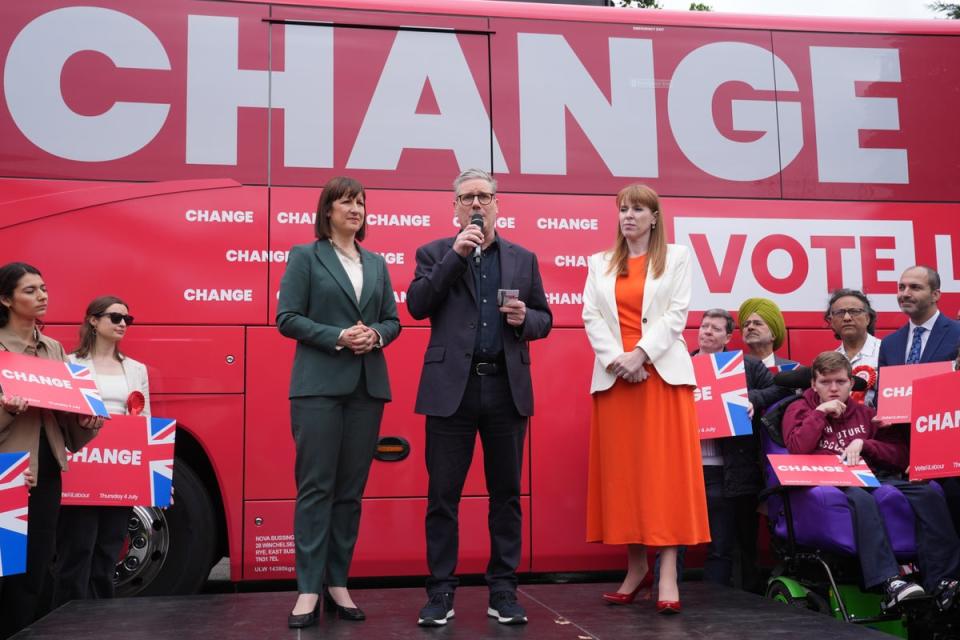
(763,329)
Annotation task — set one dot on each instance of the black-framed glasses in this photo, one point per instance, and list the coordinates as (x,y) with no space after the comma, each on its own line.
(466,199)
(854,313)
(115,317)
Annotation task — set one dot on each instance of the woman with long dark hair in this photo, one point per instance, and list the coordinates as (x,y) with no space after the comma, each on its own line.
(91,537)
(645,486)
(45,434)
(337,302)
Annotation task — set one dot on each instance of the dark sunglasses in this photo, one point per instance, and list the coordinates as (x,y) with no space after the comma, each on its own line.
(115,317)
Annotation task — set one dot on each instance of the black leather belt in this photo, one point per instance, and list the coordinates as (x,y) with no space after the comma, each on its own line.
(486,368)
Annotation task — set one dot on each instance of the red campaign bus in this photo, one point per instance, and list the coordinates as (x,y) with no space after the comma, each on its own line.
(171,153)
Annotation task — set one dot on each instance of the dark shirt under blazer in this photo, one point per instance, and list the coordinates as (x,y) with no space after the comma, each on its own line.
(443,289)
(316,303)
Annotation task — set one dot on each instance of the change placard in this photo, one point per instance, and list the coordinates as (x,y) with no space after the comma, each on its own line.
(51,384)
(935,441)
(721,395)
(820,470)
(894,398)
(13,512)
(129,463)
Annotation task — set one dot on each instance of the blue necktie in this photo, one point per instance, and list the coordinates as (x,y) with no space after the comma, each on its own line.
(916,346)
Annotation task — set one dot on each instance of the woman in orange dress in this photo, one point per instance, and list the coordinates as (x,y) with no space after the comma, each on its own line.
(645,484)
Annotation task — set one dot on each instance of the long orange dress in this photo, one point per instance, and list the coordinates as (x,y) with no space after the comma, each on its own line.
(645,480)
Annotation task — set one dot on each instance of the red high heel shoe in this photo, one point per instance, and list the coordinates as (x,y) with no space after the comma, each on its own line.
(668,607)
(616,597)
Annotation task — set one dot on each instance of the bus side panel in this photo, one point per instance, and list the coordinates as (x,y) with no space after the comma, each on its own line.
(186,256)
(217,424)
(392,541)
(268,422)
(877,122)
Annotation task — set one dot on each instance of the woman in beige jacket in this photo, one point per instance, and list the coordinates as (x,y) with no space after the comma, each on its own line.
(45,434)
(91,537)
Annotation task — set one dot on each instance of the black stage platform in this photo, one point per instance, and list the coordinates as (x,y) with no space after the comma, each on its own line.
(567,612)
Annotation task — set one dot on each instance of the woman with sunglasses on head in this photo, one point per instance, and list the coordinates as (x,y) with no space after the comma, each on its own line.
(91,537)
(337,302)
(44,433)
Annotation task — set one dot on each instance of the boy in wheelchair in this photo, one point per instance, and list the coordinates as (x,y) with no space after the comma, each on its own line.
(826,420)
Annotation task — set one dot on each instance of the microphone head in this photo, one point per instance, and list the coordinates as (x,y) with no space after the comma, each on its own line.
(477,219)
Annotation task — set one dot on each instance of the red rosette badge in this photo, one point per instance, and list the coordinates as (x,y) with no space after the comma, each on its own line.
(135,403)
(869,374)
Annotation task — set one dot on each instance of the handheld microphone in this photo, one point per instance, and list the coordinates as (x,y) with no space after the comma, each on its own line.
(477,219)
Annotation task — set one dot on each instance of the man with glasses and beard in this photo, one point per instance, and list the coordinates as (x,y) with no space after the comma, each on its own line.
(485,300)
(854,321)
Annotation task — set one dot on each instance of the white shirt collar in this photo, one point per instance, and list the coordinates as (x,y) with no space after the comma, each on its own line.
(928,325)
(870,349)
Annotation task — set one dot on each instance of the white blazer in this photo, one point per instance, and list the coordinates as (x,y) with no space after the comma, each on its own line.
(134,372)
(665,304)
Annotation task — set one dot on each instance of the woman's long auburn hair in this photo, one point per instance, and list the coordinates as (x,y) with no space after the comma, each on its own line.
(88,335)
(640,194)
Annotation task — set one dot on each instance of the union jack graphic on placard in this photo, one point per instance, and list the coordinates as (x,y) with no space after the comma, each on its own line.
(129,463)
(866,477)
(722,405)
(161,431)
(83,376)
(161,482)
(13,512)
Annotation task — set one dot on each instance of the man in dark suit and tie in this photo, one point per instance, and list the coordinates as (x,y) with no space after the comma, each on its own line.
(476,378)
(929,336)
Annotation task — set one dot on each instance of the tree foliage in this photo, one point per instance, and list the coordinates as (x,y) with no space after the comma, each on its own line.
(952,10)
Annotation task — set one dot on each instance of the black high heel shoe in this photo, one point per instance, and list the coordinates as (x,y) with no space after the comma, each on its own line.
(353,614)
(301,620)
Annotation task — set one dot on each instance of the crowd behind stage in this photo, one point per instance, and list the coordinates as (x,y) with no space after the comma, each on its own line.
(652,484)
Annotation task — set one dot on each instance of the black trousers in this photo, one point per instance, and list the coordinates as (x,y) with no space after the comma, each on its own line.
(487,408)
(733,525)
(89,540)
(20,595)
(951,489)
(938,547)
(335,438)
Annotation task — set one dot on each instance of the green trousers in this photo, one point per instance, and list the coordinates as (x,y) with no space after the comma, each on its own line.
(335,438)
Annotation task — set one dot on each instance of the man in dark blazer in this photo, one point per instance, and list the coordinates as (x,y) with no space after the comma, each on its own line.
(928,336)
(476,378)
(917,294)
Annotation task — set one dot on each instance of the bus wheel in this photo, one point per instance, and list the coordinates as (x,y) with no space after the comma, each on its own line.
(170,551)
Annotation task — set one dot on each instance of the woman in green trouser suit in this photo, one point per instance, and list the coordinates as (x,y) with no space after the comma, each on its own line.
(336,301)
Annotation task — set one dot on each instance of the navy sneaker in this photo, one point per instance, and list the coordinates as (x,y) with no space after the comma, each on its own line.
(899,591)
(505,608)
(947,594)
(437,611)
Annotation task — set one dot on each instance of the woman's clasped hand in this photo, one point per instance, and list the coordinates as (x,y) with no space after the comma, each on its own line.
(630,366)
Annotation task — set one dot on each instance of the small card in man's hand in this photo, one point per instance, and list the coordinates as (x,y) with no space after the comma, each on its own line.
(505,295)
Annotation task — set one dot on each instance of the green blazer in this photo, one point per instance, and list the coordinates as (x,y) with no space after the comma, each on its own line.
(316,303)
